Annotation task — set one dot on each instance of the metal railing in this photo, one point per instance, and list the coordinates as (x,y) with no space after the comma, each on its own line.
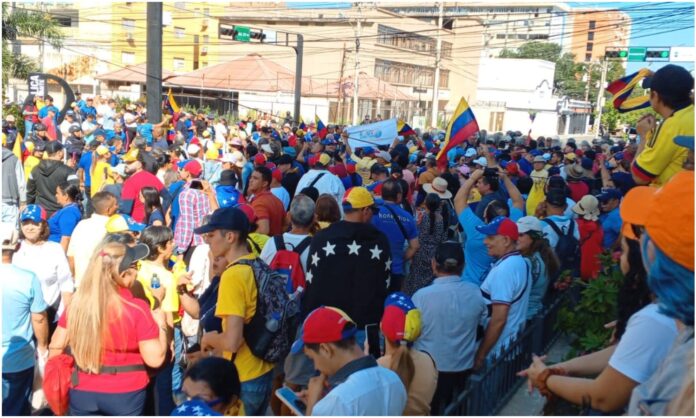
(488,390)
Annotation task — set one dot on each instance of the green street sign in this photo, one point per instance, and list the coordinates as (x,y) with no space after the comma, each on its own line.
(243,33)
(636,54)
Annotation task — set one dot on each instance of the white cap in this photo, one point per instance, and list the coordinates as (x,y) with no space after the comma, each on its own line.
(529,223)
(192,149)
(470,153)
(267,148)
(384,155)
(481,161)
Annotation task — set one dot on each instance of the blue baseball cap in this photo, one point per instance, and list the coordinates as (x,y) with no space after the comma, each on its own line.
(500,226)
(368,150)
(34,213)
(536,152)
(229,219)
(99,132)
(609,194)
(619,156)
(181,164)
(328,141)
(553,171)
(290,151)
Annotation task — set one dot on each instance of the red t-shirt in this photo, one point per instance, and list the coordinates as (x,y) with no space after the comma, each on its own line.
(267,206)
(578,189)
(131,190)
(31,118)
(121,349)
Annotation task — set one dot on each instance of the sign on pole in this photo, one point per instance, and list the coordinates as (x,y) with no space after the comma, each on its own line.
(682,53)
(243,33)
(636,54)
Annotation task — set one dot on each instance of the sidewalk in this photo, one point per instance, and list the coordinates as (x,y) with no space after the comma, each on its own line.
(521,402)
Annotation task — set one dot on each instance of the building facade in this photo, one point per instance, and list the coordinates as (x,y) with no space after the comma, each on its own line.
(595,30)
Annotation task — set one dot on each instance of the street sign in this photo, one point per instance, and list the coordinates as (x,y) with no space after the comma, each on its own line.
(243,33)
(657,54)
(636,54)
(682,54)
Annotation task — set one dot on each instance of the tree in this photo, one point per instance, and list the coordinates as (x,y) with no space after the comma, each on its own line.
(19,23)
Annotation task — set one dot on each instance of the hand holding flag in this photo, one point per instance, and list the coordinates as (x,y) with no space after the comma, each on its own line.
(461,127)
(622,88)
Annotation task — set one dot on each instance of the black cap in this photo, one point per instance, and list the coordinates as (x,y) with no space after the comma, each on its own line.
(556,198)
(671,80)
(133,254)
(53,147)
(450,254)
(284,159)
(378,169)
(39,127)
(227,178)
(229,219)
(74,129)
(556,183)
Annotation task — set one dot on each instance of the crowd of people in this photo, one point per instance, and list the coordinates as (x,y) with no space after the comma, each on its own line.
(195,266)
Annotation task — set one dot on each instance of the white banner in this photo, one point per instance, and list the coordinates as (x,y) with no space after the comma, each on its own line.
(373,134)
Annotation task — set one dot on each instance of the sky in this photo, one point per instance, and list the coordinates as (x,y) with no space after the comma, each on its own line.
(639,30)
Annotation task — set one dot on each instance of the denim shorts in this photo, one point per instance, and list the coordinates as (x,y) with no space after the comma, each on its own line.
(256,394)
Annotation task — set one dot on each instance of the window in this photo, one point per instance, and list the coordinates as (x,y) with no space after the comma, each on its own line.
(590,36)
(589,47)
(128,25)
(396,37)
(409,74)
(592,24)
(206,12)
(179,64)
(588,57)
(128,58)
(206,39)
(179,32)
(66,17)
(500,36)
(538,36)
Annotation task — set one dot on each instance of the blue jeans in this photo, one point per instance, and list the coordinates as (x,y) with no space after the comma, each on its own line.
(16,392)
(256,393)
(177,370)
(28,126)
(97,403)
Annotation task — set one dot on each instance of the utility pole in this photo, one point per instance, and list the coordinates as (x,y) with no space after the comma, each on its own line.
(600,96)
(154,62)
(339,106)
(299,51)
(356,77)
(589,81)
(436,82)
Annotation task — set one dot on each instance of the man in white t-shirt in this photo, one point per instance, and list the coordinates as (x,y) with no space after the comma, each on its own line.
(556,205)
(506,287)
(322,180)
(301,218)
(89,232)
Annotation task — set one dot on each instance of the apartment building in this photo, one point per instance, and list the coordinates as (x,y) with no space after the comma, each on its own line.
(595,30)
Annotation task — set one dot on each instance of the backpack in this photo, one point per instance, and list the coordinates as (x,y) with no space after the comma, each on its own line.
(568,247)
(271,331)
(288,263)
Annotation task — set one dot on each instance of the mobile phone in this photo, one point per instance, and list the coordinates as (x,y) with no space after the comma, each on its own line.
(372,335)
(193,349)
(289,398)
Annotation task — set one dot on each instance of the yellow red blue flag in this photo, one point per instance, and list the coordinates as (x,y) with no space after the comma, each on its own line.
(622,88)
(461,127)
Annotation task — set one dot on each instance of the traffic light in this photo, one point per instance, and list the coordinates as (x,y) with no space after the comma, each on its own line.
(226,32)
(258,35)
(657,54)
(616,54)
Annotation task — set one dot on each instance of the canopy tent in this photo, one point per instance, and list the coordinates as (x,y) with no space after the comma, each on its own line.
(135,74)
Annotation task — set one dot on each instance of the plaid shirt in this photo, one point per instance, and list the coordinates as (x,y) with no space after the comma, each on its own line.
(194,205)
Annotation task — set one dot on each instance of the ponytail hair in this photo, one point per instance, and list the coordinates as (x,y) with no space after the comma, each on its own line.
(73,192)
(402,364)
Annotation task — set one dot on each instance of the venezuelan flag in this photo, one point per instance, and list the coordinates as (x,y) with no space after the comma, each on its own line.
(322,130)
(170,104)
(404,129)
(303,125)
(19,148)
(462,126)
(622,88)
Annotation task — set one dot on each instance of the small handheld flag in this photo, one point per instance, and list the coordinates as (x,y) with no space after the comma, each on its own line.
(322,130)
(462,126)
(622,88)
(303,126)
(404,129)
(170,104)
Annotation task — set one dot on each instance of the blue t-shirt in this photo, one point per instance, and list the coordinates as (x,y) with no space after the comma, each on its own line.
(21,296)
(174,190)
(44,112)
(156,216)
(145,130)
(611,224)
(525,166)
(385,222)
(86,165)
(63,222)
(476,258)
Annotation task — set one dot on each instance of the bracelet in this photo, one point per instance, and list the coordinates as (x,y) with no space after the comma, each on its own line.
(543,377)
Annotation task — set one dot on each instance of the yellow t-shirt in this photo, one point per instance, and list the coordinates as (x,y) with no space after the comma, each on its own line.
(662,158)
(29,165)
(259,240)
(101,176)
(237,296)
(170,303)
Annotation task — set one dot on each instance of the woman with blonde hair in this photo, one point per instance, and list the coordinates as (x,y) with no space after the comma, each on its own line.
(111,335)
(401,326)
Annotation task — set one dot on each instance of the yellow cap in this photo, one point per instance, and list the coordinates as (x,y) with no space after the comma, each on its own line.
(102,150)
(212,154)
(357,198)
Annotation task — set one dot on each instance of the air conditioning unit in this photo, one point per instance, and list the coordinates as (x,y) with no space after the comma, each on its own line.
(205,22)
(204,50)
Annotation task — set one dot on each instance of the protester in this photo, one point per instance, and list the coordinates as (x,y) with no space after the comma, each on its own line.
(268,208)
(45,178)
(138,178)
(327,211)
(541,259)
(609,201)
(591,236)
(431,232)
(321,179)
(111,375)
(194,204)
(301,220)
(451,310)
(150,198)
(14,190)
(212,385)
(401,326)
(358,385)
(62,224)
(45,259)
(24,329)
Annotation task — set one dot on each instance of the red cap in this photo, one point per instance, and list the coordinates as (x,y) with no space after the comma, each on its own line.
(277,174)
(325,325)
(195,141)
(579,152)
(313,160)
(292,140)
(350,168)
(248,211)
(270,166)
(194,167)
(259,159)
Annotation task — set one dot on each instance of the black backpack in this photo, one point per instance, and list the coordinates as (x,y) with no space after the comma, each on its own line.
(274,308)
(568,247)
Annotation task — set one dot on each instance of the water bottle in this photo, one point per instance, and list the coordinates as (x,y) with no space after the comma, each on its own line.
(155,282)
(264,341)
